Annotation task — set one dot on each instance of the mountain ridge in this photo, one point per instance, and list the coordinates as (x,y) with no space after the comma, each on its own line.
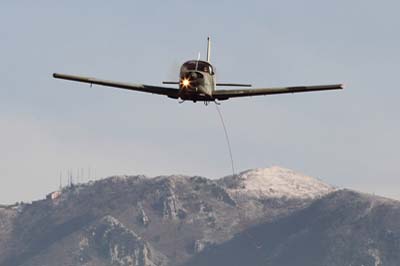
(342,228)
(164,220)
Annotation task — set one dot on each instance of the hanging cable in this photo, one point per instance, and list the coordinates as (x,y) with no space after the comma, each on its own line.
(252,238)
(227,138)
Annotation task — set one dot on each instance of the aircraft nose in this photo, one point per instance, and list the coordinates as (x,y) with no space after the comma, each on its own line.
(191,79)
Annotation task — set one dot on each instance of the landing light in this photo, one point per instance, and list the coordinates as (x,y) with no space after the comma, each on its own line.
(185,82)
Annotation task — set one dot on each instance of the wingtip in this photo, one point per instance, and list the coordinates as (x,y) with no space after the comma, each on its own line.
(342,86)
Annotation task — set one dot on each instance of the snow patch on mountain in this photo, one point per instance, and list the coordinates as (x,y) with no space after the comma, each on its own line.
(275,182)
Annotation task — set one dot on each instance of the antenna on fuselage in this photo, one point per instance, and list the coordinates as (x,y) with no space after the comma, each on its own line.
(208,49)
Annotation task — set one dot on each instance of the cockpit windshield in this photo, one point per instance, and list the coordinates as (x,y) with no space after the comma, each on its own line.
(198,65)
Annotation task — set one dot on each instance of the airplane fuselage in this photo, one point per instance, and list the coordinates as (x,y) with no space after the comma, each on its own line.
(196,81)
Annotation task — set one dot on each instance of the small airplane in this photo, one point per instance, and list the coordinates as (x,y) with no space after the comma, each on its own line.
(197,82)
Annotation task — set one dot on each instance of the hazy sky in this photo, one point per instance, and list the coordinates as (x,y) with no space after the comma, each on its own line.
(347,138)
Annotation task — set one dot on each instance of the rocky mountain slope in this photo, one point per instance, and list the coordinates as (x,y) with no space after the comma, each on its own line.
(260,216)
(342,228)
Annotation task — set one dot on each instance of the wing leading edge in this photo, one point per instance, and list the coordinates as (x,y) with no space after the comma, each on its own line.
(170,92)
(226,94)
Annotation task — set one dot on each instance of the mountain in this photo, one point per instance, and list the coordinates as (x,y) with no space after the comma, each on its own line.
(342,228)
(259,217)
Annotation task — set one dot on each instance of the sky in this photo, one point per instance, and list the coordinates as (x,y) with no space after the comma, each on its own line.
(346,138)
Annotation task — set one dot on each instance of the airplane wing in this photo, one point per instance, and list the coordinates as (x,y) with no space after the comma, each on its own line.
(226,94)
(170,92)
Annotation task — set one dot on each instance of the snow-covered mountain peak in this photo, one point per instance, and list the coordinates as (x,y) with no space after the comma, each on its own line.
(276,182)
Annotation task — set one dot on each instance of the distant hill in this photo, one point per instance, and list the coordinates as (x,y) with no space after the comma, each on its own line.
(342,228)
(270,216)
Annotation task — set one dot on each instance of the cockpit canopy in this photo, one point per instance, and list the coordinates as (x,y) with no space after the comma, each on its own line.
(197,65)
